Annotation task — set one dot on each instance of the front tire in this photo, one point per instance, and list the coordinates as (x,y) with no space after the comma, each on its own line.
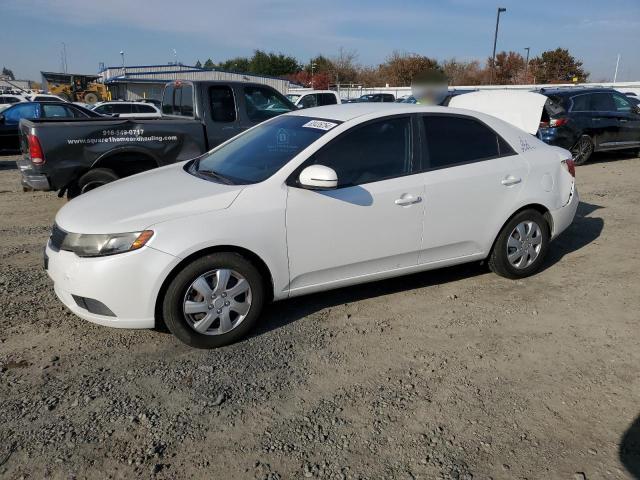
(214,301)
(96,178)
(521,246)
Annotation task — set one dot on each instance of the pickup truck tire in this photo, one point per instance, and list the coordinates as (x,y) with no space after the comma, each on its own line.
(95,178)
(214,300)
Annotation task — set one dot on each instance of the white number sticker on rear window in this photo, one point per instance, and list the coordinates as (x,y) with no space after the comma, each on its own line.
(320,124)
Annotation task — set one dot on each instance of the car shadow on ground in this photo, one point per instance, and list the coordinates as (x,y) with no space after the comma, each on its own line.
(612,156)
(583,231)
(630,449)
(7,164)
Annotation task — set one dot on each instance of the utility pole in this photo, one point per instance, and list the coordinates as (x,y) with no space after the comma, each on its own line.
(526,65)
(313,66)
(63,58)
(495,42)
(124,69)
(615,75)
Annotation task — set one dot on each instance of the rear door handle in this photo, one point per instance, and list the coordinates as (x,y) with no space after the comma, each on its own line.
(510,180)
(408,199)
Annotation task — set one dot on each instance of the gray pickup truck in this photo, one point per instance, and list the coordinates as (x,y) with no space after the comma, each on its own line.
(74,156)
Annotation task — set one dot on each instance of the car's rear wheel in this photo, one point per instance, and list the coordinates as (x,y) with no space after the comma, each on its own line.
(582,150)
(521,246)
(95,178)
(214,301)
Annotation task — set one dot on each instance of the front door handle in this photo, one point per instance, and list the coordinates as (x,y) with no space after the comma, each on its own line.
(408,199)
(511,180)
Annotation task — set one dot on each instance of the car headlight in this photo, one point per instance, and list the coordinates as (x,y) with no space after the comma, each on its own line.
(97,245)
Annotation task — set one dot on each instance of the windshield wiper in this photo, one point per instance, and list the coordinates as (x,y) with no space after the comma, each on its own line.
(216,176)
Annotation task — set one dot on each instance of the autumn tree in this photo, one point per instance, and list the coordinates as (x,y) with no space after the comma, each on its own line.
(508,68)
(557,66)
(464,73)
(400,68)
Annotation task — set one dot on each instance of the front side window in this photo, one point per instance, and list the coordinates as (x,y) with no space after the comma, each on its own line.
(622,104)
(327,99)
(254,156)
(453,140)
(57,111)
(13,115)
(263,103)
(186,101)
(123,108)
(370,153)
(104,109)
(223,105)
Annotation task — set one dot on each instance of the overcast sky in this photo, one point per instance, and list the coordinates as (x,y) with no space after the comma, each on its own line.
(32,31)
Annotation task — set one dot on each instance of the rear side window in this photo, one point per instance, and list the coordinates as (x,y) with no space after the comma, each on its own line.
(145,109)
(581,103)
(309,101)
(8,99)
(223,105)
(13,115)
(454,140)
(376,151)
(178,100)
(58,111)
(122,108)
(602,102)
(263,103)
(326,99)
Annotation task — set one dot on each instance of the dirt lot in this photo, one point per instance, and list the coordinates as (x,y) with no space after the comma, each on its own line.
(449,374)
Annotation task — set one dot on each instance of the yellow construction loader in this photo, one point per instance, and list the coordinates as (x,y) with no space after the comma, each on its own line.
(75,88)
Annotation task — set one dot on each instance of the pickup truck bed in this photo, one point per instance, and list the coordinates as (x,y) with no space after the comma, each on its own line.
(76,155)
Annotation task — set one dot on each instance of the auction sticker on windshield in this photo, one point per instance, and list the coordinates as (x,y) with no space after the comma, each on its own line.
(320,124)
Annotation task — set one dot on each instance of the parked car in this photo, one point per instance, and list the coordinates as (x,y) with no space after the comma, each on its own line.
(583,120)
(377,97)
(10,119)
(309,201)
(314,98)
(127,109)
(45,97)
(8,99)
(77,156)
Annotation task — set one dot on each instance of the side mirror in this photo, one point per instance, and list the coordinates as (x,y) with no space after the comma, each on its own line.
(1,119)
(318,177)
(300,105)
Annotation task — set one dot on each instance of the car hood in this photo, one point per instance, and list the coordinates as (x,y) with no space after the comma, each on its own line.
(137,202)
(522,109)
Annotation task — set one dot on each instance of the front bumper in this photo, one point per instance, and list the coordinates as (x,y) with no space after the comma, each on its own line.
(127,284)
(30,178)
(563,217)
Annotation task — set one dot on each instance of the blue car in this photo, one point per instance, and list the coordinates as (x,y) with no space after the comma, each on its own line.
(10,119)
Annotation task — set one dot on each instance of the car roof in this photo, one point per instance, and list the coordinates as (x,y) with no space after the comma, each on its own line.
(349,111)
(571,91)
(310,91)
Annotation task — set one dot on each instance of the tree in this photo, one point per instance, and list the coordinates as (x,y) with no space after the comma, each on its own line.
(345,68)
(8,73)
(400,69)
(237,64)
(509,68)
(274,64)
(464,73)
(209,65)
(557,66)
(198,64)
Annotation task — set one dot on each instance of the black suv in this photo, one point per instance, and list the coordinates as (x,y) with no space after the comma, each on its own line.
(587,120)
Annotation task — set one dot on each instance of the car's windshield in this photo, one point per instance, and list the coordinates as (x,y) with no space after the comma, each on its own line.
(257,154)
(293,97)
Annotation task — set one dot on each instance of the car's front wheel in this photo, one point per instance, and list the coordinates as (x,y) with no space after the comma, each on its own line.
(214,300)
(521,246)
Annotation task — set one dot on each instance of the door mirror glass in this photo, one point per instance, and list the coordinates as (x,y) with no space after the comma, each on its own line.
(318,177)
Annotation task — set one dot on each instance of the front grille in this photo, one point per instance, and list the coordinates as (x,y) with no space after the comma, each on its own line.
(57,237)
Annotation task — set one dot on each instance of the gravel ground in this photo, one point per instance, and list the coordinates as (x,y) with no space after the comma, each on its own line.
(455,374)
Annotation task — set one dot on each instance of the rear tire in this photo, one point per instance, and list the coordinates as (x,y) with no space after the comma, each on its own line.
(198,294)
(95,178)
(521,246)
(582,150)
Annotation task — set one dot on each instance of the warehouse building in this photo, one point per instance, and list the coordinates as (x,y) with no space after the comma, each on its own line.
(147,81)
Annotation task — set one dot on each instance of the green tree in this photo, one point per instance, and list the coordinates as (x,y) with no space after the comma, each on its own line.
(274,64)
(198,64)
(237,64)
(557,66)
(8,73)
(209,65)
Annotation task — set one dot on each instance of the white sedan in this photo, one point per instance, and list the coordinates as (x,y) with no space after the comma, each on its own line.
(308,201)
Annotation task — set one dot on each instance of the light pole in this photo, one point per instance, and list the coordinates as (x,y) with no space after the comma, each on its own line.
(526,65)
(495,42)
(313,66)
(124,69)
